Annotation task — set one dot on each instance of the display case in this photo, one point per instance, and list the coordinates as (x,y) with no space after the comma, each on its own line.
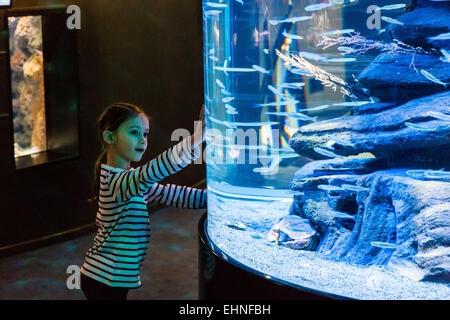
(328,128)
(44,97)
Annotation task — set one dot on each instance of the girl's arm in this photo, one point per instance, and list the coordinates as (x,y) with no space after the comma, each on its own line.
(176,196)
(129,184)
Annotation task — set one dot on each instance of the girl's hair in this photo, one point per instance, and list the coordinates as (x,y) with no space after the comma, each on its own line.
(110,119)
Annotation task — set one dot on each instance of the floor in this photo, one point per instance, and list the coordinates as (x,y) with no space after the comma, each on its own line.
(168,273)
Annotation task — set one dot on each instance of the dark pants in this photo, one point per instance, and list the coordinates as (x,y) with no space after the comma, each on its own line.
(95,290)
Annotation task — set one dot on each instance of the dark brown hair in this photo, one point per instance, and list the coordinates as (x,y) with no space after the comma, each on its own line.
(110,119)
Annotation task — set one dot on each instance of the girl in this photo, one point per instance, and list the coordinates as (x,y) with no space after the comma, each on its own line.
(112,265)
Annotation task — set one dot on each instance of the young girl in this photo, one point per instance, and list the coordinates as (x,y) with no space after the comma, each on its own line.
(112,265)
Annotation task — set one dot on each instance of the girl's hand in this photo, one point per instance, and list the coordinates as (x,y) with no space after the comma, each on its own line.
(201,125)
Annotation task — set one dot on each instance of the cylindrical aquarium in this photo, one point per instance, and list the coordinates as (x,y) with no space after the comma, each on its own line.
(328,143)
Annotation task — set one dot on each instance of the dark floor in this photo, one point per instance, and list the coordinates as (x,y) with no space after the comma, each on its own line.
(169,271)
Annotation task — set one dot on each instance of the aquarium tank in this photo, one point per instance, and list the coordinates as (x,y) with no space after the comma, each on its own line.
(328,142)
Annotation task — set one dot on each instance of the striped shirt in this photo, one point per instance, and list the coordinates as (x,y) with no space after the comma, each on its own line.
(120,245)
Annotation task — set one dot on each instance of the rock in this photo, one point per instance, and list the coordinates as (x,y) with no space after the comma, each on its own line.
(413,214)
(293,232)
(402,82)
(383,134)
(420,24)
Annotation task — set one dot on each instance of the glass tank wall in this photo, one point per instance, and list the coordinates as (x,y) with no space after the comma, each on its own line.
(328,126)
(27,84)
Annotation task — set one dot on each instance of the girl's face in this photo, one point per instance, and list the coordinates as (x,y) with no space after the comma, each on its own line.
(131,138)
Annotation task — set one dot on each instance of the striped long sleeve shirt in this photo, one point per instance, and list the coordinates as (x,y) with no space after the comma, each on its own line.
(120,245)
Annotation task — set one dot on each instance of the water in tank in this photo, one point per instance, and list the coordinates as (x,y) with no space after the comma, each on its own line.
(328,135)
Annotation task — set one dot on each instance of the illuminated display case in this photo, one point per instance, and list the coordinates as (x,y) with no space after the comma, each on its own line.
(327,146)
(44,97)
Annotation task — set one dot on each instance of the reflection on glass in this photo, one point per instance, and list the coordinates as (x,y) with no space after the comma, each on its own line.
(27,84)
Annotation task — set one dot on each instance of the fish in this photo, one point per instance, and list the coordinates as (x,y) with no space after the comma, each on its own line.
(345,49)
(215,59)
(439,115)
(419,127)
(432,78)
(211,51)
(213,12)
(300,71)
(392,7)
(312,56)
(390,20)
(442,36)
(292,36)
(266,51)
(241,2)
(341,60)
(225,92)
(220,84)
(229,111)
(236,225)
(293,115)
(384,245)
(353,188)
(277,93)
(339,214)
(350,104)
(335,32)
(216,5)
(292,85)
(260,69)
(225,69)
(380,31)
(289,20)
(278,103)
(327,153)
(227,99)
(321,107)
(327,187)
(446,56)
(319,6)
(340,141)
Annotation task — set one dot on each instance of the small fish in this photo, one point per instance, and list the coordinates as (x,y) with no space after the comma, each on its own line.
(227,106)
(392,7)
(215,59)
(220,84)
(321,107)
(292,85)
(341,60)
(432,78)
(266,51)
(277,93)
(225,92)
(229,111)
(353,188)
(350,104)
(293,115)
(335,32)
(439,115)
(300,71)
(345,49)
(319,6)
(241,2)
(446,56)
(312,56)
(236,225)
(213,12)
(419,127)
(279,103)
(390,20)
(289,20)
(227,99)
(380,31)
(225,69)
(327,153)
(292,36)
(384,245)
(327,187)
(260,69)
(442,36)
(339,214)
(211,51)
(216,5)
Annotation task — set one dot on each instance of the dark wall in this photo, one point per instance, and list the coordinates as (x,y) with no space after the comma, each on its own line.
(145,52)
